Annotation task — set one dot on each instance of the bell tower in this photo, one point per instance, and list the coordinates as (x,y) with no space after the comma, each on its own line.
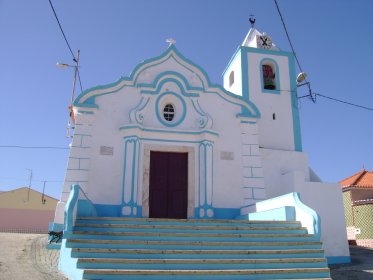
(263,74)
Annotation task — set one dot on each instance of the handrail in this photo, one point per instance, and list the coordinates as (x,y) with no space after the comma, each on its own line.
(72,209)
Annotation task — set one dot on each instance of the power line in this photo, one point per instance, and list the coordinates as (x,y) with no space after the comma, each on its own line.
(80,82)
(34,180)
(67,42)
(34,147)
(63,33)
(287,35)
(345,102)
(311,95)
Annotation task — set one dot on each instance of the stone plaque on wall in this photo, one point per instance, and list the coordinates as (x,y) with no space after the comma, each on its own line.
(106,151)
(224,155)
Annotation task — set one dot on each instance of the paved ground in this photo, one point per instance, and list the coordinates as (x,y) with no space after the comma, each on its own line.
(23,256)
(360,268)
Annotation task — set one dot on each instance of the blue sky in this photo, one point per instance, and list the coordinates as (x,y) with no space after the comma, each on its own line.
(332,40)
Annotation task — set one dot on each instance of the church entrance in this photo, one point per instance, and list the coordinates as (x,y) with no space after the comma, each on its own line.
(168,185)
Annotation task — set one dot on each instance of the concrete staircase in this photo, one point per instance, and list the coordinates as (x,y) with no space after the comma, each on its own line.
(134,248)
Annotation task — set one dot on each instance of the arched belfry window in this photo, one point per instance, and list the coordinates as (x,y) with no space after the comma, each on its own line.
(269,76)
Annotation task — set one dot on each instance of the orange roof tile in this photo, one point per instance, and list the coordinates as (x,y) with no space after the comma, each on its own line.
(362,179)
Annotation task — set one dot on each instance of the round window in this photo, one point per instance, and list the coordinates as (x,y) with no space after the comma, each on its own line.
(169,112)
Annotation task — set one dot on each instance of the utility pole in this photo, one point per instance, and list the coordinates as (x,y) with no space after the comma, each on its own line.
(71,106)
(29,184)
(42,197)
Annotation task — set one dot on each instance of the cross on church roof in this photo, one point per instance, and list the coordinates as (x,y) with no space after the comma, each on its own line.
(170,42)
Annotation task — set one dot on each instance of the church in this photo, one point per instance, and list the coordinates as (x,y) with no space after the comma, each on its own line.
(166,143)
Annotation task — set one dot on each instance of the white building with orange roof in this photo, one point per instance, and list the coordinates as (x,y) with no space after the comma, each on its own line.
(358,202)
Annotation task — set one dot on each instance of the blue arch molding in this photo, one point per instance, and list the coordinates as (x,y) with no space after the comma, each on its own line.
(87,98)
(277,76)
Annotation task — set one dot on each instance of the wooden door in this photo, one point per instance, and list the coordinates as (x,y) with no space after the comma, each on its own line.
(168,185)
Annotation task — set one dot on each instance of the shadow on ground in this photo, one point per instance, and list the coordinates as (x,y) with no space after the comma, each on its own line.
(360,268)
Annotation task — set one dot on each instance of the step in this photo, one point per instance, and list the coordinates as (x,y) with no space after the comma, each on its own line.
(193,236)
(204,264)
(186,228)
(175,222)
(194,254)
(289,273)
(158,249)
(165,244)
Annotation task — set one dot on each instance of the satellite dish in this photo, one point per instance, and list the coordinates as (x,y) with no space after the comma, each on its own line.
(301,77)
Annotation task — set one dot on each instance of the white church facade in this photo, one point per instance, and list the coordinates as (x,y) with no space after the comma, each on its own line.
(167,143)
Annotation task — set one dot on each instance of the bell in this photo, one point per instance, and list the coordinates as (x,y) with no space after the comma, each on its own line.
(269,83)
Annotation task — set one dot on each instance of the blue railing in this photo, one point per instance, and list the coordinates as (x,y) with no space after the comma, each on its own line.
(78,204)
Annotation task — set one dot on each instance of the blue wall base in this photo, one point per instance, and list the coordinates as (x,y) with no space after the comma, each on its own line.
(108,210)
(53,246)
(338,259)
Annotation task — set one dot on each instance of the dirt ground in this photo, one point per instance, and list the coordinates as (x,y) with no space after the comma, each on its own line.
(24,256)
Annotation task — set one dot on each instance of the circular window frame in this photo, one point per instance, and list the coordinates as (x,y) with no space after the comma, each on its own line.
(178,104)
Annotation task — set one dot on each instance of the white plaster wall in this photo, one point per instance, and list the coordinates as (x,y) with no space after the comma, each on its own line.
(277,163)
(326,199)
(235,66)
(227,125)
(287,171)
(273,134)
(106,171)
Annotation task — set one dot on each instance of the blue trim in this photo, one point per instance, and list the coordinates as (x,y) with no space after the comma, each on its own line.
(84,208)
(220,213)
(111,210)
(54,246)
(132,203)
(178,119)
(168,131)
(247,107)
(77,207)
(233,58)
(69,208)
(204,205)
(294,106)
(162,78)
(245,76)
(173,141)
(338,259)
(277,76)
(264,51)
